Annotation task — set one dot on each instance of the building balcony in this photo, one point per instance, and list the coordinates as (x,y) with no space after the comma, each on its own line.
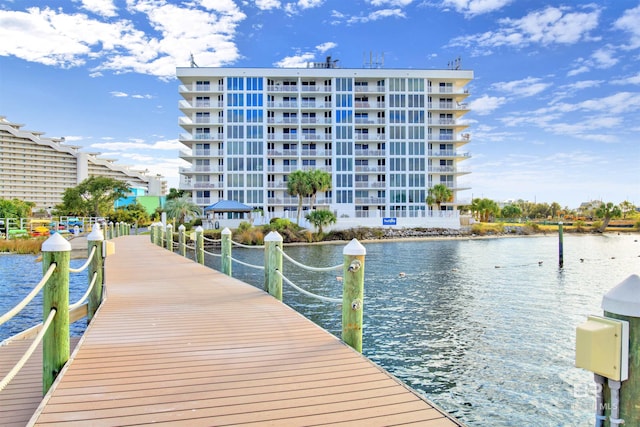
(447,106)
(370,184)
(315,153)
(369,153)
(186,106)
(448,170)
(197,169)
(200,185)
(201,137)
(372,169)
(369,89)
(448,154)
(282,153)
(448,90)
(200,88)
(187,122)
(370,105)
(370,137)
(370,121)
(370,200)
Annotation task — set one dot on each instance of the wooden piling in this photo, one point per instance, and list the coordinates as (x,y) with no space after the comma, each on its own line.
(560,246)
(225,251)
(199,245)
(273,264)
(170,237)
(353,294)
(623,303)
(94,240)
(182,246)
(55,345)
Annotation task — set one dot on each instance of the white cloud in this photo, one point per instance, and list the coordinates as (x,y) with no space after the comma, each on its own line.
(52,37)
(377,15)
(526,87)
(631,80)
(475,7)
(390,3)
(486,104)
(553,25)
(101,7)
(119,94)
(629,22)
(268,4)
(322,48)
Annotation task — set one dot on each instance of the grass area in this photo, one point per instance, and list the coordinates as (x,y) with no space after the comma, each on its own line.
(22,246)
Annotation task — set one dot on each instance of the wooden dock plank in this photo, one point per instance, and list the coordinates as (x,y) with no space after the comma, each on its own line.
(176,343)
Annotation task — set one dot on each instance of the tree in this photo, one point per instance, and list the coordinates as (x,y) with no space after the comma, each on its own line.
(439,194)
(298,185)
(607,212)
(93,196)
(15,208)
(626,207)
(181,208)
(484,209)
(321,218)
(174,194)
(133,213)
(511,211)
(319,181)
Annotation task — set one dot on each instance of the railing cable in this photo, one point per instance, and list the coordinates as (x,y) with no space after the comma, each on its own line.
(86,295)
(312,295)
(25,357)
(306,267)
(257,267)
(15,310)
(211,253)
(206,239)
(86,264)
(247,246)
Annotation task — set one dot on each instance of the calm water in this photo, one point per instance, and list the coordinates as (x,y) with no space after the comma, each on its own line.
(492,346)
(18,276)
(478,326)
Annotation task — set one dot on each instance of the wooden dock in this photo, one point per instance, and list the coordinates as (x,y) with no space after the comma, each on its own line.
(179,344)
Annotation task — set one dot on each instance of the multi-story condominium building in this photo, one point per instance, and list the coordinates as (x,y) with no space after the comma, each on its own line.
(38,169)
(385,135)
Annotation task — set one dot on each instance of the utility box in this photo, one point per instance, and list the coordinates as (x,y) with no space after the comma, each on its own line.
(602,347)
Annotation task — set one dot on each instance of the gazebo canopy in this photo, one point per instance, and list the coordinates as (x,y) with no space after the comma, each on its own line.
(228,206)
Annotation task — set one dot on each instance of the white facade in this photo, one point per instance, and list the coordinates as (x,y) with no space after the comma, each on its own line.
(385,135)
(38,169)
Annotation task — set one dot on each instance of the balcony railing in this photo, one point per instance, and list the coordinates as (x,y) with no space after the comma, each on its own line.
(447,153)
(447,106)
(369,153)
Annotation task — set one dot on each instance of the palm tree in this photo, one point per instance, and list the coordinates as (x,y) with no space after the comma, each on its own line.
(439,194)
(181,208)
(320,181)
(321,218)
(607,212)
(298,185)
(484,209)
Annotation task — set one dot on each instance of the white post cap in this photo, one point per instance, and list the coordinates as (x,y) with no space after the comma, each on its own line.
(199,229)
(56,243)
(182,227)
(273,236)
(624,299)
(169,225)
(226,231)
(96,234)
(354,248)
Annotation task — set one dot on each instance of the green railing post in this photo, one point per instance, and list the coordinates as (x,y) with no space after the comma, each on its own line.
(273,264)
(623,303)
(116,229)
(170,237)
(199,245)
(225,251)
(560,246)
(182,247)
(158,234)
(152,232)
(111,232)
(353,294)
(55,345)
(95,239)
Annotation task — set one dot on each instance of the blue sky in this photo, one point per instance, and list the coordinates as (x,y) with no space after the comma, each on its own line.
(555,99)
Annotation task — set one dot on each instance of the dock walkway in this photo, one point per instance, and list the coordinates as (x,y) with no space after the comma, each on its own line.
(176,343)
